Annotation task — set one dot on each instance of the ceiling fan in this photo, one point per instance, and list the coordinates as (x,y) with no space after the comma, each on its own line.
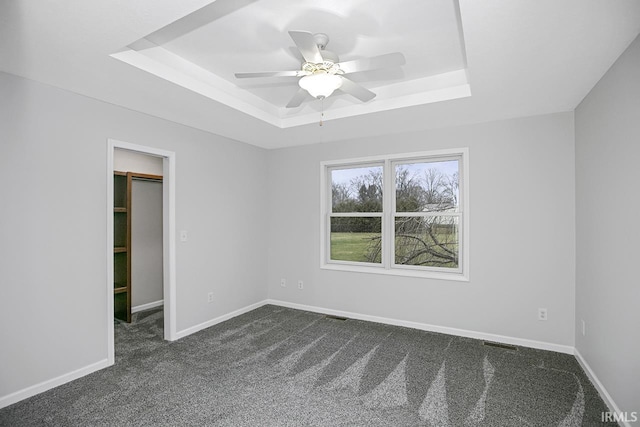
(322,72)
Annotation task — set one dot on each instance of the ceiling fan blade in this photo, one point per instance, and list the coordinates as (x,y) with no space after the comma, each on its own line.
(296,73)
(354,89)
(307,46)
(373,63)
(297,99)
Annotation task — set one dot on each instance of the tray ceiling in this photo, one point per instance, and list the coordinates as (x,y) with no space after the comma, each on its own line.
(203,50)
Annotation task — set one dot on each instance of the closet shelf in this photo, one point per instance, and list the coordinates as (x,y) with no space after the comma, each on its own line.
(121,243)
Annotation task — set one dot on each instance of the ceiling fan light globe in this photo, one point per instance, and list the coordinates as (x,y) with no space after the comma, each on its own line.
(320,85)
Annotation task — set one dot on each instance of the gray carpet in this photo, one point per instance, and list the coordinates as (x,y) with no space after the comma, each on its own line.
(281,367)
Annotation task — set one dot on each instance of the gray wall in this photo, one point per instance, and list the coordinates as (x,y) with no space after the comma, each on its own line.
(521,223)
(53,169)
(607,213)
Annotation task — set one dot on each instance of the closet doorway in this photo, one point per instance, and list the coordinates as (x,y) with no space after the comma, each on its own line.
(137,230)
(140,238)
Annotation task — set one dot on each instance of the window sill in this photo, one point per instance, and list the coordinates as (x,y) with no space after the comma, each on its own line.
(456,277)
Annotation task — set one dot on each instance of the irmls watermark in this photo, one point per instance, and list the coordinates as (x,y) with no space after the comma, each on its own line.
(627,417)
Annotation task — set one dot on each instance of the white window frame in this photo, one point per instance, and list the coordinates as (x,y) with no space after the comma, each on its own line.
(388,266)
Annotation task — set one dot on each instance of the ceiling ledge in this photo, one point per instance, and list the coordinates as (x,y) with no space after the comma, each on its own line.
(147,56)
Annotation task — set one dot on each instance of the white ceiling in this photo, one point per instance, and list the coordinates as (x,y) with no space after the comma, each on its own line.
(513,57)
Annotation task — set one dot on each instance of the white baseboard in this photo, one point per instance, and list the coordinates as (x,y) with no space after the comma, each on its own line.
(25,393)
(193,329)
(147,306)
(431,328)
(608,400)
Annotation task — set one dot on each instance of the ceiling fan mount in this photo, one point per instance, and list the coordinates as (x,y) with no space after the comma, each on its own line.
(322,73)
(321,40)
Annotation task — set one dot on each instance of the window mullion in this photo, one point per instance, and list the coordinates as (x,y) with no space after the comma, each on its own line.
(328,200)
(388,206)
(427,213)
(355,214)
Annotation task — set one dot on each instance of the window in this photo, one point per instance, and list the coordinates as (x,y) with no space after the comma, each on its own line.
(402,215)
(356,214)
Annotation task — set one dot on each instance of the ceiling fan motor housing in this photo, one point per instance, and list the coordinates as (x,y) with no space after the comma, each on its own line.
(328,67)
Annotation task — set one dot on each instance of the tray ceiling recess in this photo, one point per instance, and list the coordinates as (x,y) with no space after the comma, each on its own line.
(204,50)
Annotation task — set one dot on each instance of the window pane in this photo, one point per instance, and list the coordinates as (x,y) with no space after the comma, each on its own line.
(430,241)
(356,239)
(427,186)
(356,189)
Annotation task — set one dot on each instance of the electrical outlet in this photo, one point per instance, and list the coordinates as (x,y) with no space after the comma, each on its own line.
(283,283)
(300,284)
(542,314)
(210,297)
(584,328)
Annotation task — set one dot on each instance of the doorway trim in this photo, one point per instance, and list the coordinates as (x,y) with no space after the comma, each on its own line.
(168,238)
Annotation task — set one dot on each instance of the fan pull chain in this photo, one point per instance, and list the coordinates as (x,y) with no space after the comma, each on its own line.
(321,110)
